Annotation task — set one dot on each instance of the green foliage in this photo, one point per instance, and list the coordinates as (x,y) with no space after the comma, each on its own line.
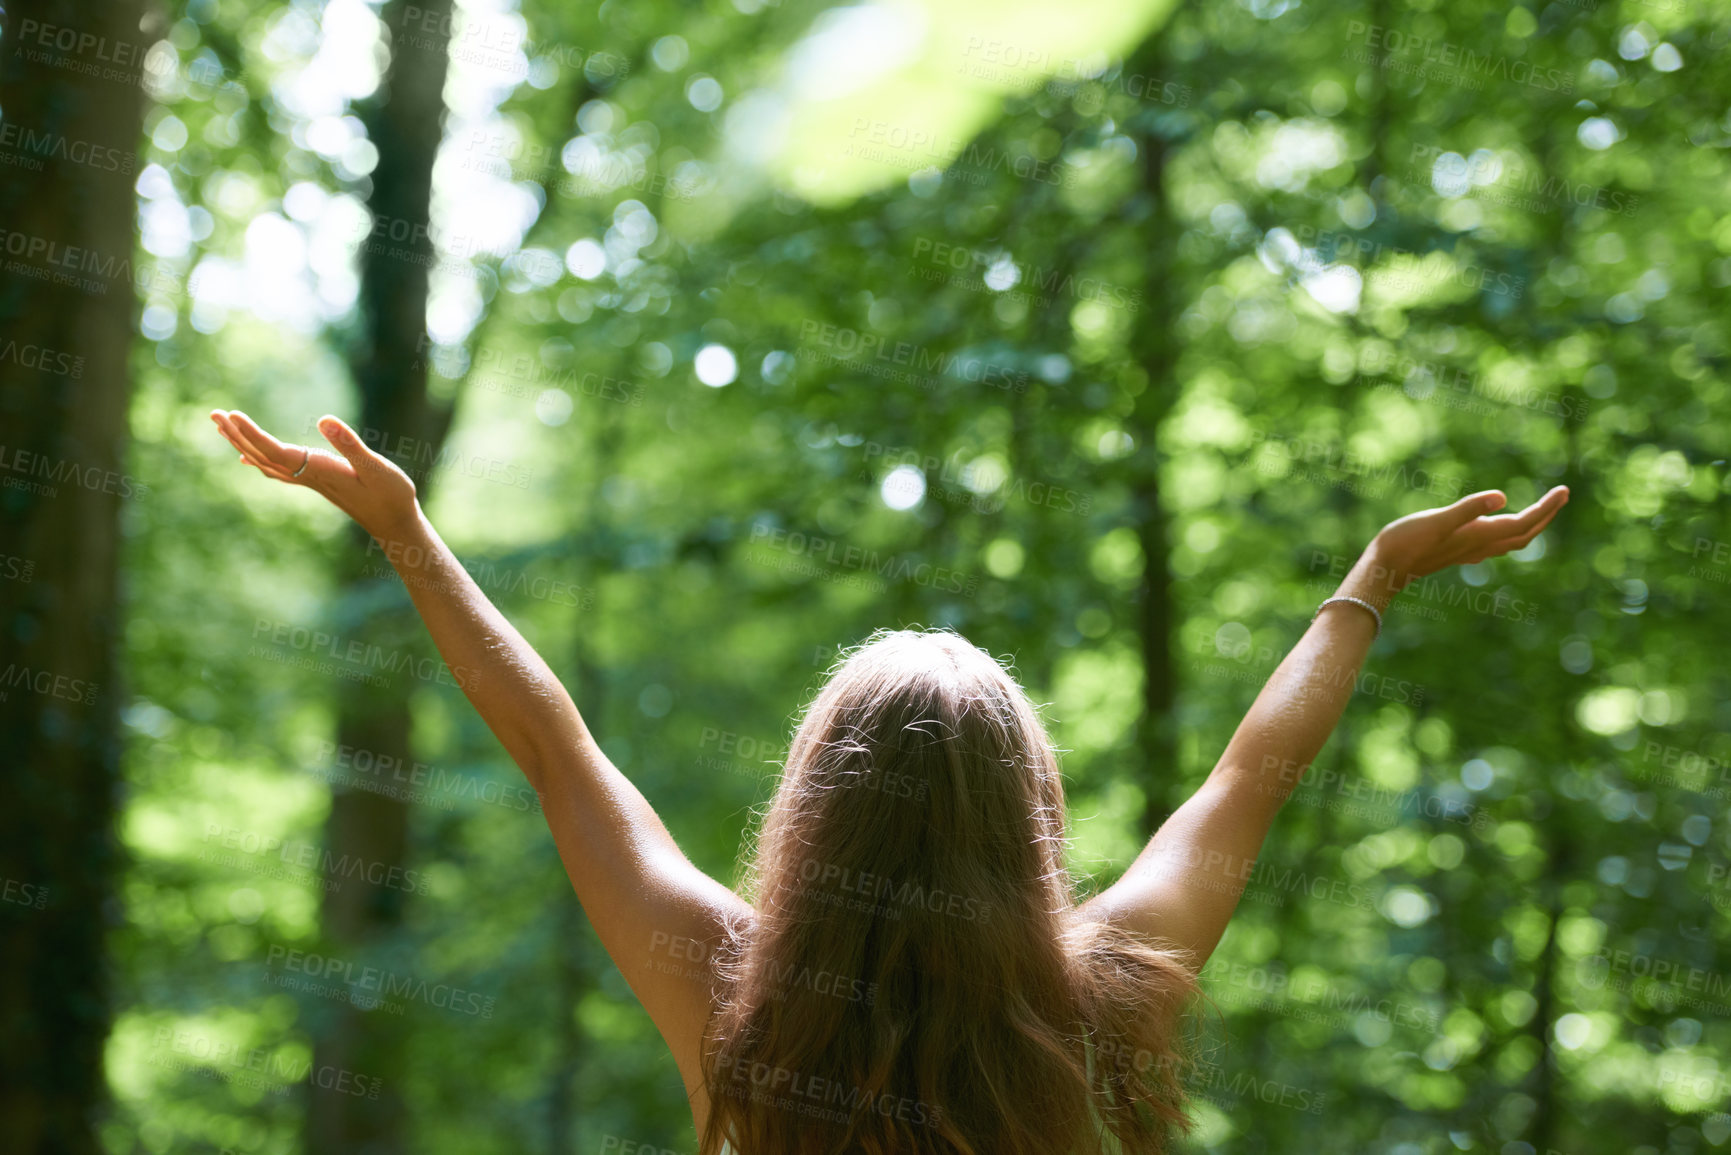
(1267,270)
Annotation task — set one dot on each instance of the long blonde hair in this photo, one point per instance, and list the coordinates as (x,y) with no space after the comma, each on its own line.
(916,979)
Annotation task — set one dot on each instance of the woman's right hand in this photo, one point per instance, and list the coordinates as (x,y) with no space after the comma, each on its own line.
(369,488)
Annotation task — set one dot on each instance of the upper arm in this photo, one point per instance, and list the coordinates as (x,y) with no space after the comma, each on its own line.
(659,917)
(1185,885)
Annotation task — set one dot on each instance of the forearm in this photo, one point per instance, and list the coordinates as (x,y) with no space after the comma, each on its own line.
(1184,886)
(1303,700)
(507,682)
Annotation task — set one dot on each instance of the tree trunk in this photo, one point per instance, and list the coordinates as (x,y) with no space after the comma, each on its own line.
(405,122)
(1155,348)
(66,308)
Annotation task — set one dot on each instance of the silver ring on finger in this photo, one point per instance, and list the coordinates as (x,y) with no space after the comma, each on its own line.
(304,461)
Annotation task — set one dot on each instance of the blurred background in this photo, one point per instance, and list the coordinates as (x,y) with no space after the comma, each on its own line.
(716,335)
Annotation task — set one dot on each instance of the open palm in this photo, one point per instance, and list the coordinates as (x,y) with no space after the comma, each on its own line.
(1463,533)
(366,486)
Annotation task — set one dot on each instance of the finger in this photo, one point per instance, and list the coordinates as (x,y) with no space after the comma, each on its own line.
(1537,515)
(267,448)
(279,472)
(272,472)
(1520,541)
(1527,522)
(1477,537)
(220,420)
(1550,516)
(267,469)
(248,453)
(261,446)
(240,439)
(305,466)
(251,454)
(346,442)
(1473,505)
(1511,542)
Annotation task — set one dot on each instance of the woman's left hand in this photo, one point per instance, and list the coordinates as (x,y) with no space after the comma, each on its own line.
(1432,539)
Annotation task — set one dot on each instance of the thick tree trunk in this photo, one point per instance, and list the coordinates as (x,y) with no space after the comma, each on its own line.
(405,122)
(1155,348)
(66,308)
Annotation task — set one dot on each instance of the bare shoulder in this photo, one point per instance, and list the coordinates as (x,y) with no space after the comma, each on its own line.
(686,972)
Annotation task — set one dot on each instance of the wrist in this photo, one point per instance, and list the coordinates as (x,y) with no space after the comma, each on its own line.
(1376,578)
(404,537)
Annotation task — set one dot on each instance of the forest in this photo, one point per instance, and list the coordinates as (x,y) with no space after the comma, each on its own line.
(716,336)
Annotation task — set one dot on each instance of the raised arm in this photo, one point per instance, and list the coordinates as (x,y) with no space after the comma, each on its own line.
(648,902)
(1184,886)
